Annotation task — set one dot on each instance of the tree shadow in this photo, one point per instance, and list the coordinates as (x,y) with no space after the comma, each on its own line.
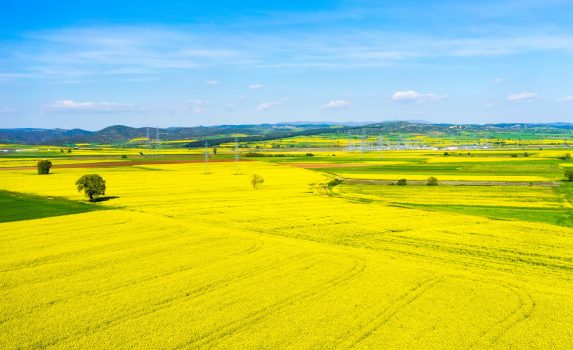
(103,199)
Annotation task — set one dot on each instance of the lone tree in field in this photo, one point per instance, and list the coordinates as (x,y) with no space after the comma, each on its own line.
(569,174)
(44,167)
(93,186)
(432,181)
(402,182)
(256,181)
(566,156)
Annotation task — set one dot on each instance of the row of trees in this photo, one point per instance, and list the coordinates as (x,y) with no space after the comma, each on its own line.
(432,181)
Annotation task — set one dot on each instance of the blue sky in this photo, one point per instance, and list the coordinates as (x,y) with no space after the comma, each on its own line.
(90,64)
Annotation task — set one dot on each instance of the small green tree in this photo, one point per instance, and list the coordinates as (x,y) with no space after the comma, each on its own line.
(402,182)
(93,186)
(44,167)
(214,151)
(566,156)
(569,174)
(432,181)
(335,182)
(256,181)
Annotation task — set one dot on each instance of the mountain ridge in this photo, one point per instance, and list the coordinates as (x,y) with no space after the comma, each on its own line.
(224,133)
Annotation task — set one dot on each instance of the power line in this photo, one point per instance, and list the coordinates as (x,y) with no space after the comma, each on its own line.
(206,157)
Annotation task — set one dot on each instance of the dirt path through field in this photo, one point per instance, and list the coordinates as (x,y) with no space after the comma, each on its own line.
(328,165)
(119,164)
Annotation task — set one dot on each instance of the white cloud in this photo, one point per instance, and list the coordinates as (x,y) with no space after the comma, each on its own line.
(196,106)
(190,106)
(212,82)
(197,102)
(522,97)
(268,105)
(96,107)
(336,104)
(256,86)
(411,96)
(101,51)
(498,81)
(565,99)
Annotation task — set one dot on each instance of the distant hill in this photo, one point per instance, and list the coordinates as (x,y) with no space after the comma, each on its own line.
(120,134)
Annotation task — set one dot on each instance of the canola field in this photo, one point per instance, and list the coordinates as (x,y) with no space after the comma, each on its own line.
(190,256)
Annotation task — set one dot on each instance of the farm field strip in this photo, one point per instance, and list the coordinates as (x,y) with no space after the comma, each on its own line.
(495,196)
(443,176)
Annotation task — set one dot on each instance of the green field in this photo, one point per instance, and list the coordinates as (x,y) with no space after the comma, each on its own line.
(553,205)
(20,206)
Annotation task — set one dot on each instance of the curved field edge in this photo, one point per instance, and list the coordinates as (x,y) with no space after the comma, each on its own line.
(18,206)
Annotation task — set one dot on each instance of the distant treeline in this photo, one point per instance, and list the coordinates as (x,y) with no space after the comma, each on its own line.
(257,138)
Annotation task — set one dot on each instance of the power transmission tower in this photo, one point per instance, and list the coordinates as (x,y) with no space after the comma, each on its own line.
(363,141)
(147,140)
(157,137)
(349,145)
(236,156)
(157,140)
(380,143)
(206,157)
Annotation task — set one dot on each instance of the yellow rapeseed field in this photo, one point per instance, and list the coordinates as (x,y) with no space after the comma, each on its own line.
(192,257)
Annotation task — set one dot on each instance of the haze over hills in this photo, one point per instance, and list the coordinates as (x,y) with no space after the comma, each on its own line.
(249,132)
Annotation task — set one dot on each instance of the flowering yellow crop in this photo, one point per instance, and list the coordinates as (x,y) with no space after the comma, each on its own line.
(193,257)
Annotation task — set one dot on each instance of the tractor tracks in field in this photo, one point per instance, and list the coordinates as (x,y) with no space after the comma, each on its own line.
(106,248)
(380,318)
(257,244)
(475,255)
(232,327)
(370,324)
(525,309)
(92,267)
(197,292)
